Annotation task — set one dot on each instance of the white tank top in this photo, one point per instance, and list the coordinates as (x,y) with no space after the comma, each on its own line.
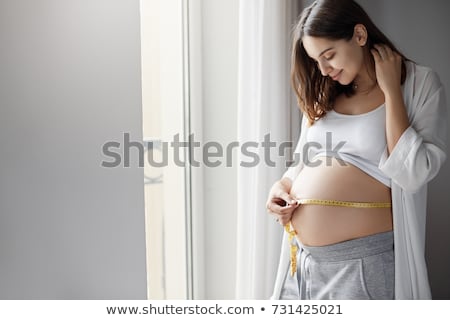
(357,139)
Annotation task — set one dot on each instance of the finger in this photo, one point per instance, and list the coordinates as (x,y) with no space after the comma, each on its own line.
(289,208)
(397,55)
(381,51)
(276,209)
(375,55)
(287,197)
(388,51)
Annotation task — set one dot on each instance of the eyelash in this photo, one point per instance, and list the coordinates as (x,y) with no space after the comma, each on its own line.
(328,59)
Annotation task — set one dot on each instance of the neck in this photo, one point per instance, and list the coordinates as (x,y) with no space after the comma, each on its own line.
(364,88)
(364,84)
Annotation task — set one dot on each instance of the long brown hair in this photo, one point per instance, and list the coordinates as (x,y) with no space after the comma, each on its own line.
(334,20)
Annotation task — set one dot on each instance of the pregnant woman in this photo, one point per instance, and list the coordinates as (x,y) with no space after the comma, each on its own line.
(372,137)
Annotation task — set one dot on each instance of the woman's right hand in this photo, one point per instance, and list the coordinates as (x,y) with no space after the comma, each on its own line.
(280,203)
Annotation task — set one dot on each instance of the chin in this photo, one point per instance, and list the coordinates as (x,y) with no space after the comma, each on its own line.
(345,82)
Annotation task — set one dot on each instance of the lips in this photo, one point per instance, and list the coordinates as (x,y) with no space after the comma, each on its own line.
(336,76)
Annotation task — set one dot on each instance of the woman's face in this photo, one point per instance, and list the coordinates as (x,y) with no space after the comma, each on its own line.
(340,60)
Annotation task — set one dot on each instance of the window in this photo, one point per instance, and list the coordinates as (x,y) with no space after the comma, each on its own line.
(165,110)
(189,63)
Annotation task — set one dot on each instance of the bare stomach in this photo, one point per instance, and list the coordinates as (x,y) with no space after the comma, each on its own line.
(318,225)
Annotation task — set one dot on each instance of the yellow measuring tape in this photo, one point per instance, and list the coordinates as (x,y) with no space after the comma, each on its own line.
(335,203)
(291,234)
(348,204)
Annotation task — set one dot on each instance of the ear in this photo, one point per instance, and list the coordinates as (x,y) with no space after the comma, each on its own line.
(360,34)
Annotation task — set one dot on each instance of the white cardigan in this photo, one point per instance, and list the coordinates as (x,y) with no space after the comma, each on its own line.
(415,160)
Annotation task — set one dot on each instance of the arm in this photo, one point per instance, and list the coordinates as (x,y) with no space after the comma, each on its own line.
(415,144)
(279,194)
(420,151)
(388,66)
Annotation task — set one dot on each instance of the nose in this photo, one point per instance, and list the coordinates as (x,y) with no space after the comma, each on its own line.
(324,67)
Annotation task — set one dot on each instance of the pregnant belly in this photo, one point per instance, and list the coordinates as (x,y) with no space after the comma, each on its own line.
(318,225)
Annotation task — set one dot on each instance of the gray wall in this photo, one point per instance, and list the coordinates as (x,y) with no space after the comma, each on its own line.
(69,82)
(420,30)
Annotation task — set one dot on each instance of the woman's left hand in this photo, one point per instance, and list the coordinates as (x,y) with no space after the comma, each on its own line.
(388,68)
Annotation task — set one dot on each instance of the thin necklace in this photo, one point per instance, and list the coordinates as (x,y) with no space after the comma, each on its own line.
(366,91)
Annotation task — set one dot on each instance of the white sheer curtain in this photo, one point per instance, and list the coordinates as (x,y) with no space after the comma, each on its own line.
(265,106)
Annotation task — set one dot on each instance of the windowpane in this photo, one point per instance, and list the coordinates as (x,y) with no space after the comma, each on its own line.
(163,118)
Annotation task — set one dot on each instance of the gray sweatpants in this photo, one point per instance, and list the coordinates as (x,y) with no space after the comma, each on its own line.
(357,269)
